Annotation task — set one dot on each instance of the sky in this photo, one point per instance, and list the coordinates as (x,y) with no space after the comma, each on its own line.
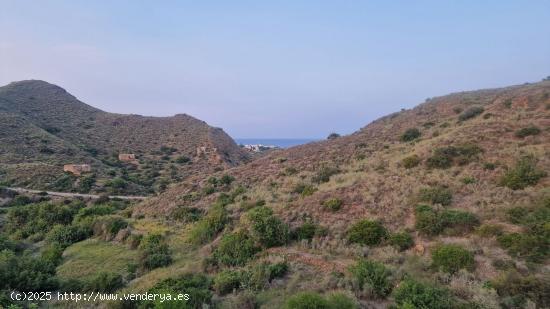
(273,69)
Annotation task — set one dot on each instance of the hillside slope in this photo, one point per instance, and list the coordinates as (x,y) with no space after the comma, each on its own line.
(477,161)
(43,127)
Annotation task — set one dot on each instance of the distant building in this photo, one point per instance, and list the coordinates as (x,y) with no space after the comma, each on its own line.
(128,157)
(258,147)
(77,169)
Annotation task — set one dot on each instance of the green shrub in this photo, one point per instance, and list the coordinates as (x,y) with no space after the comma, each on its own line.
(307,300)
(307,230)
(468,180)
(196,285)
(93,211)
(411,161)
(471,113)
(402,240)
(324,173)
(374,275)
(412,294)
(458,222)
(514,289)
(266,228)
(206,228)
(528,246)
(183,160)
(304,190)
(187,214)
(333,204)
(52,254)
(410,135)
(427,220)
(227,179)
(489,230)
(235,249)
(26,273)
(66,235)
(155,252)
(341,301)
(227,281)
(445,157)
(208,190)
(524,174)
(39,218)
(432,222)
(367,232)
(105,282)
(527,131)
(19,200)
(436,195)
(451,258)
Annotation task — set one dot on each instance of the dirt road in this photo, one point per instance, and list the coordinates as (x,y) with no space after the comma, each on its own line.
(69,194)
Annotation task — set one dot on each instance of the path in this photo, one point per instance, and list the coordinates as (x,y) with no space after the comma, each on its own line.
(69,194)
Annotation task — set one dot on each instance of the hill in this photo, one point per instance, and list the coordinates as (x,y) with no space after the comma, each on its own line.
(446,205)
(44,127)
(452,193)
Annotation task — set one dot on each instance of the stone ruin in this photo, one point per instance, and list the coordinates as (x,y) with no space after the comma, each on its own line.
(77,169)
(128,157)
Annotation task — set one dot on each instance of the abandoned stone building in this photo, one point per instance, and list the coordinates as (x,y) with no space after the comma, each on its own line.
(77,169)
(128,157)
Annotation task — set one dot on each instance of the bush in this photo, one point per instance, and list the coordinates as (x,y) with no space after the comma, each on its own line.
(374,275)
(402,241)
(187,214)
(260,275)
(324,173)
(489,230)
(444,157)
(367,232)
(458,222)
(210,225)
(471,113)
(19,200)
(341,301)
(451,258)
(432,222)
(227,281)
(105,282)
(226,180)
(66,235)
(183,160)
(514,289)
(412,294)
(527,246)
(304,190)
(235,249)
(436,195)
(411,161)
(524,132)
(333,204)
(410,135)
(307,230)
(26,273)
(196,285)
(267,229)
(524,174)
(155,252)
(333,136)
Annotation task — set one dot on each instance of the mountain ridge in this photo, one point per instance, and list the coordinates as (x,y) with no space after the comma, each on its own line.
(55,127)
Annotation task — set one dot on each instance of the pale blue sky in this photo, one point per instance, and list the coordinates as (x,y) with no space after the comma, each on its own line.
(273,69)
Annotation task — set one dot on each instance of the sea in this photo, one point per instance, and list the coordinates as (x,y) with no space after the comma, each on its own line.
(279,142)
